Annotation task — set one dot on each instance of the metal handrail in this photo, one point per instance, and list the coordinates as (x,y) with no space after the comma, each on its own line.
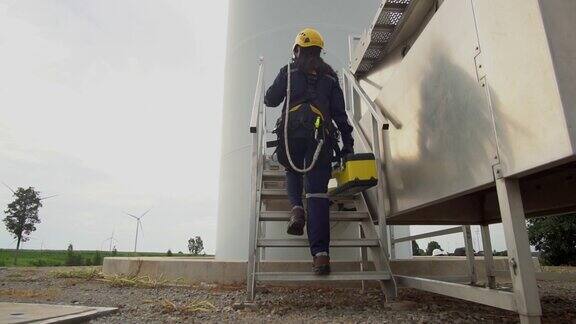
(358,131)
(256,105)
(379,123)
(257,131)
(375,111)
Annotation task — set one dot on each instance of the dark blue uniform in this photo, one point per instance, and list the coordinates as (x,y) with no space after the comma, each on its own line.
(323,92)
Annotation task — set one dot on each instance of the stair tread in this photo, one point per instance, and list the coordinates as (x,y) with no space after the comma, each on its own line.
(304,243)
(334,215)
(274,173)
(282,193)
(309,276)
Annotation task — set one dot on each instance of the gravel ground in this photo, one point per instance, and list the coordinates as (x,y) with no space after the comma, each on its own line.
(274,304)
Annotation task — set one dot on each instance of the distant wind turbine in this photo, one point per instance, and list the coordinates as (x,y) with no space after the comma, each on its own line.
(7,186)
(32,238)
(14,192)
(138,225)
(110,239)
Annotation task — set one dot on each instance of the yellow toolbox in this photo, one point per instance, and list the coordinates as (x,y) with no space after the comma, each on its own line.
(357,173)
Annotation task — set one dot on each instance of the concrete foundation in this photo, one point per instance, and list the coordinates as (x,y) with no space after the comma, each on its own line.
(197,270)
(43,313)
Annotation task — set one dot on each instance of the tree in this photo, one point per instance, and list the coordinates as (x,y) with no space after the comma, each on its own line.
(195,245)
(73,259)
(432,245)
(416,250)
(555,238)
(22,215)
(97,258)
(169,253)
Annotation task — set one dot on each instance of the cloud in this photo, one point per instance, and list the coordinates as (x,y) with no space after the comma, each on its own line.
(113,106)
(90,203)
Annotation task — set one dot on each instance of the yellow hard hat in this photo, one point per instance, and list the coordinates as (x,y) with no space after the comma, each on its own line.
(309,37)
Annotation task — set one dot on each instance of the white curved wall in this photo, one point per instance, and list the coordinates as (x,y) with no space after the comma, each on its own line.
(267,28)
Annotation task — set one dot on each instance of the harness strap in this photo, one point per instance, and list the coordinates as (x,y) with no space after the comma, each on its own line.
(314,109)
(286,146)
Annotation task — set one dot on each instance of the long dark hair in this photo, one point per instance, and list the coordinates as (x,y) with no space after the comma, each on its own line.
(309,61)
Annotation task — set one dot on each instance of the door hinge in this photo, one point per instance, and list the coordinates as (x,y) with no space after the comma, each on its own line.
(497,170)
(480,68)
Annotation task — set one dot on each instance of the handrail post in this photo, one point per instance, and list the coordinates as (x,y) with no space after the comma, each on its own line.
(488,257)
(469,248)
(379,123)
(382,201)
(392,244)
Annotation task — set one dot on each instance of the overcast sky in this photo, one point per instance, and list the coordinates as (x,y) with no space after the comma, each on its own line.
(114,106)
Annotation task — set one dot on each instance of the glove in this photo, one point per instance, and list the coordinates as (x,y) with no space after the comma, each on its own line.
(347,149)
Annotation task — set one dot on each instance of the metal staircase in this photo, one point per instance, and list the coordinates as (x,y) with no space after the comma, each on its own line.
(268,188)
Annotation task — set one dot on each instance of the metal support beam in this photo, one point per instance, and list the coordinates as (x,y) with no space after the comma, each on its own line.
(447,231)
(486,296)
(469,247)
(363,257)
(519,256)
(455,278)
(392,244)
(488,257)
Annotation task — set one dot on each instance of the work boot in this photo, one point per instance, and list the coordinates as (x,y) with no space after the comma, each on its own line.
(321,264)
(297,221)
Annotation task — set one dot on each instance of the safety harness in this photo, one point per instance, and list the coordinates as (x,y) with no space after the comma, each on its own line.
(303,120)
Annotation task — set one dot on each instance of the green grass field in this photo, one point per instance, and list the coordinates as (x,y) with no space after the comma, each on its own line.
(55,258)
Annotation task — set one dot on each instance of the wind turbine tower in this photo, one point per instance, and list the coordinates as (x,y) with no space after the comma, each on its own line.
(138,225)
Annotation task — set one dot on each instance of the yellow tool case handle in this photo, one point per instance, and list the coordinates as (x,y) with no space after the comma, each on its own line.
(357,174)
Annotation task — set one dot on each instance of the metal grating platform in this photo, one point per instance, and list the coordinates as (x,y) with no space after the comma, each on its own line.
(375,42)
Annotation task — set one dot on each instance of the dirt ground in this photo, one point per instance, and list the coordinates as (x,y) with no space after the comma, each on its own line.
(211,303)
